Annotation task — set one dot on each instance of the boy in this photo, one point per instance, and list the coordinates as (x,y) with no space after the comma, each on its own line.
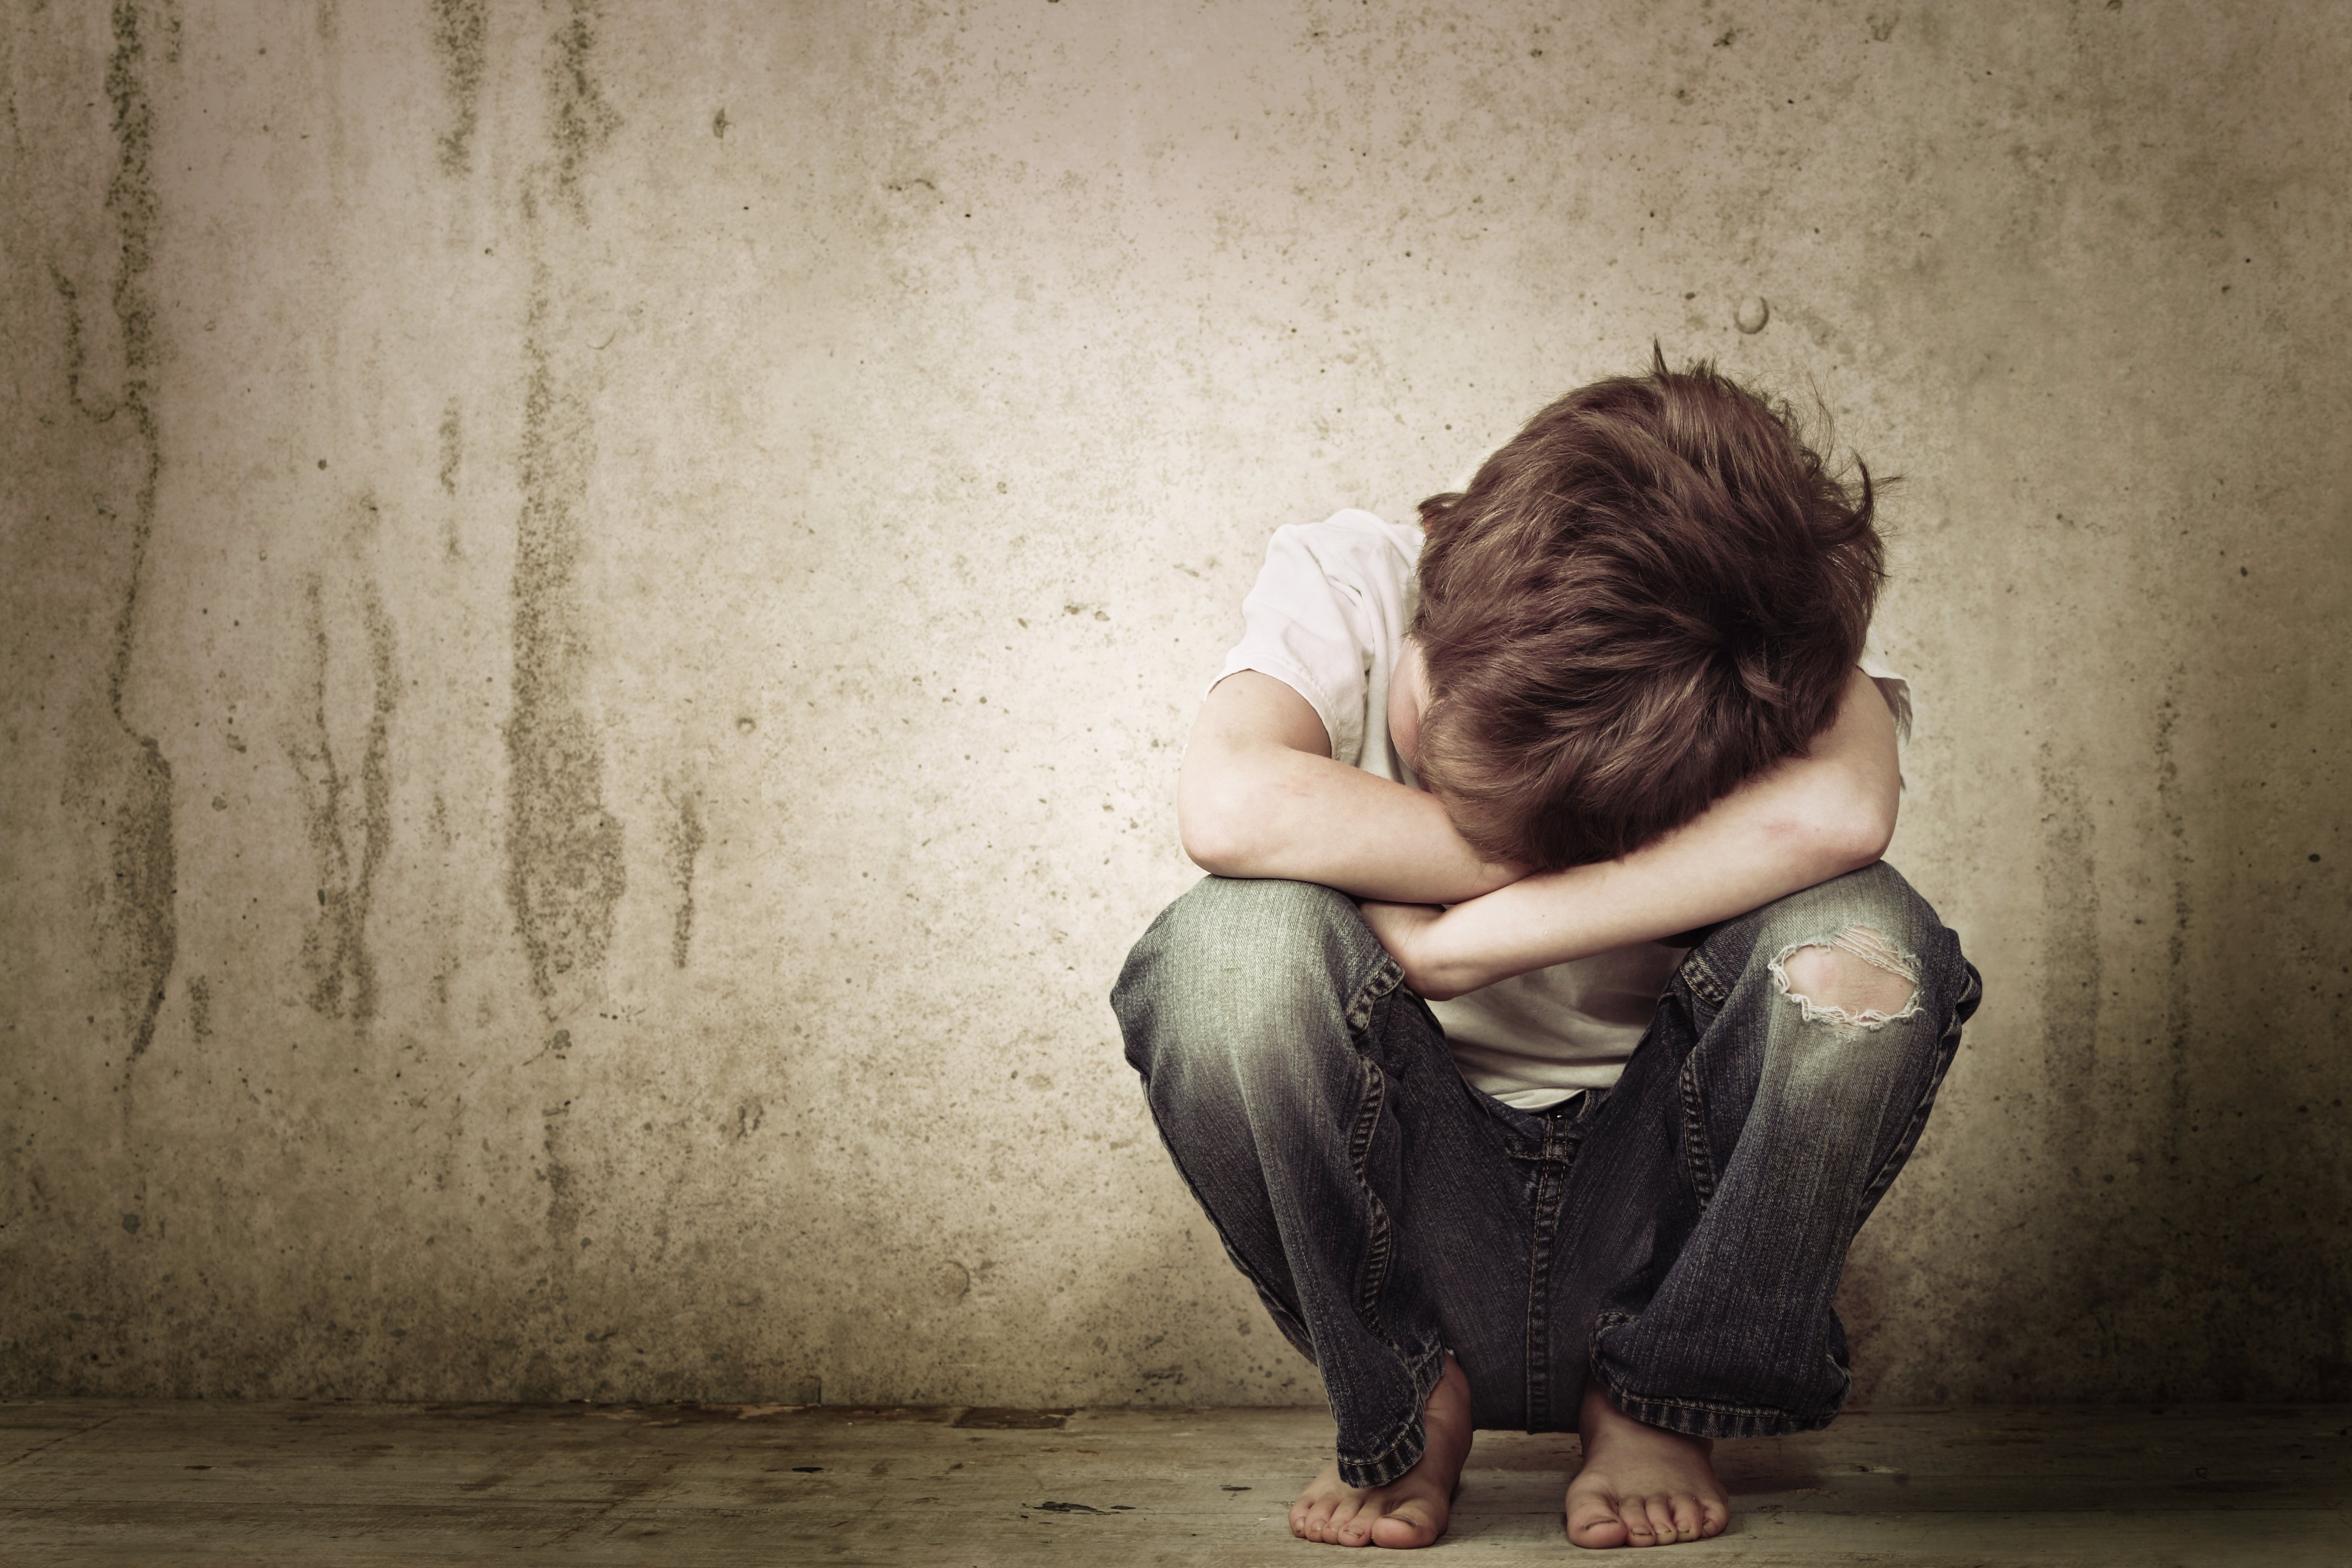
(1548,1025)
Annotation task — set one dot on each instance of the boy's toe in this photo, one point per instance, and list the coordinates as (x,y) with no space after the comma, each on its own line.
(1685,1518)
(1410,1523)
(1635,1513)
(1594,1522)
(1662,1519)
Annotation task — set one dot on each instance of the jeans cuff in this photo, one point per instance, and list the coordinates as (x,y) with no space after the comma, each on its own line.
(1705,1418)
(1695,1418)
(1404,1450)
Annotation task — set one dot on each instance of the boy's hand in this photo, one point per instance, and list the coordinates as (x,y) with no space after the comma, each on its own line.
(1404,930)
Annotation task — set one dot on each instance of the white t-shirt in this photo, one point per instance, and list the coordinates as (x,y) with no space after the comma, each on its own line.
(1327,618)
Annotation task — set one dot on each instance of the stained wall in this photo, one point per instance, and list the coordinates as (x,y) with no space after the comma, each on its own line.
(600,604)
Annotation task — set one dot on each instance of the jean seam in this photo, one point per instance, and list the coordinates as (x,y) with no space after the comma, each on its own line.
(1948,1051)
(1704,985)
(1385,977)
(1550,1197)
(1291,1327)
(1402,1452)
(1383,982)
(1698,1156)
(1376,1255)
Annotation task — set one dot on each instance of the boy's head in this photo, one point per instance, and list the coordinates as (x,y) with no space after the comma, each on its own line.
(1652,593)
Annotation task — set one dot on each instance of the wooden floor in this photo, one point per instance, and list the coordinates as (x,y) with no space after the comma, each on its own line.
(91,1482)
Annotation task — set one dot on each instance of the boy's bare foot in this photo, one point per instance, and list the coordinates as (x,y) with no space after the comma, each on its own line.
(1410,1510)
(1641,1486)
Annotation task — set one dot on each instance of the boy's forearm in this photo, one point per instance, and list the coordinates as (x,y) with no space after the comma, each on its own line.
(1275,811)
(1656,892)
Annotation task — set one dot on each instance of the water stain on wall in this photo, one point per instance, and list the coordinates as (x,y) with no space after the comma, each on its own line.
(562,1202)
(584,121)
(77,353)
(142,934)
(543,1379)
(334,949)
(564,868)
(453,459)
(126,775)
(461,38)
(2072,981)
(453,446)
(565,872)
(2175,823)
(685,847)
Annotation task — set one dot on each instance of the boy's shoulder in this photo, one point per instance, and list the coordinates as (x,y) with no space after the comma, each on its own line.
(1351,542)
(1355,523)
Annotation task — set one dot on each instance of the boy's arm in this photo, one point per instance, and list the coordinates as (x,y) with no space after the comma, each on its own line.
(1260,795)
(1809,819)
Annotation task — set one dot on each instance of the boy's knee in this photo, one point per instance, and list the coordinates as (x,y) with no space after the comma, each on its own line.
(1233,960)
(1258,911)
(1854,975)
(1858,952)
(1246,927)
(1875,899)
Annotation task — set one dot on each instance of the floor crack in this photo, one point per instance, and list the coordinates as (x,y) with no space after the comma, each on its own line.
(60,1438)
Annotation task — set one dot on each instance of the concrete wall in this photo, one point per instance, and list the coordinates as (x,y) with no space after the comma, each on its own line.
(601,603)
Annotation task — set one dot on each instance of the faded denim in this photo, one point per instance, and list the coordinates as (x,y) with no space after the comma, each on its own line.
(1678,1236)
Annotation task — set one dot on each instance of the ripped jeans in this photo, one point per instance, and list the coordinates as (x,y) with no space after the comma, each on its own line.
(1678,1236)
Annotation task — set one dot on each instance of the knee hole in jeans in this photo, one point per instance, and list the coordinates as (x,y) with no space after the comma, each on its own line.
(1855,976)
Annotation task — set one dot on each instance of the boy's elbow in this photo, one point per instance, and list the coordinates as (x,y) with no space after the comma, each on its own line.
(1209,843)
(1215,832)
(1856,827)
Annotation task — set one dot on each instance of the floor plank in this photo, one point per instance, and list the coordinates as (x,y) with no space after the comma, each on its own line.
(111,1482)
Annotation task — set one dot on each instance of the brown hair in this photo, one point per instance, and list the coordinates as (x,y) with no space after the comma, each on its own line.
(1653,592)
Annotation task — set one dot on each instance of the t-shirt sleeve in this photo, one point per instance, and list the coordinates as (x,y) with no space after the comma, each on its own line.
(1898,692)
(1896,695)
(1309,623)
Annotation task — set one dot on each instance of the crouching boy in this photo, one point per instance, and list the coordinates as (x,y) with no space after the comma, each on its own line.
(1549,1023)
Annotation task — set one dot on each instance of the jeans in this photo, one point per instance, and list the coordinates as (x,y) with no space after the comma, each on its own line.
(1678,1236)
